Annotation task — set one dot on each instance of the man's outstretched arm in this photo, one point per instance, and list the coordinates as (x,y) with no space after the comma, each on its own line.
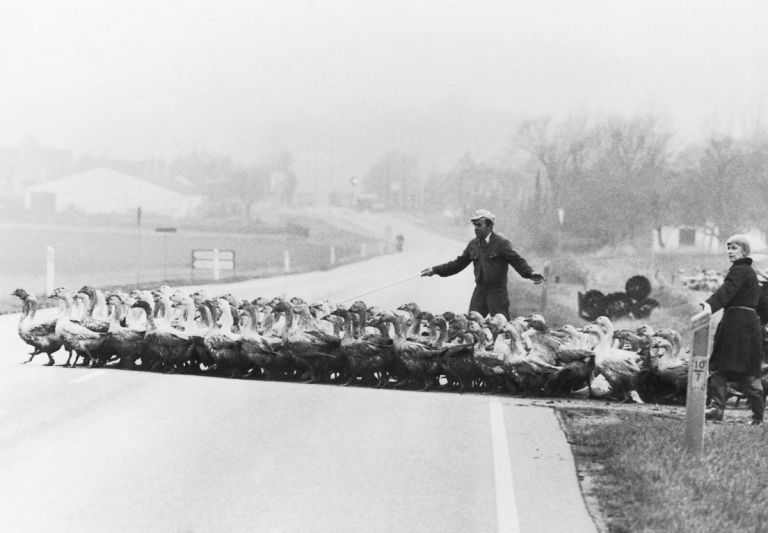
(451,267)
(520,265)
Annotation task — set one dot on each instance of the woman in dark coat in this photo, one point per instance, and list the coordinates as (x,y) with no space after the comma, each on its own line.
(737,351)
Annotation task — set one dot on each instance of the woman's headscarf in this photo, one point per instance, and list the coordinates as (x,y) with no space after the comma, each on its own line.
(742,240)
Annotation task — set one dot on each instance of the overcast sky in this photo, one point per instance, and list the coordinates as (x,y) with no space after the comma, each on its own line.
(157,78)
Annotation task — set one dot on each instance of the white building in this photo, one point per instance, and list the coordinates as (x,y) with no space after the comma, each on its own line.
(103,190)
(699,239)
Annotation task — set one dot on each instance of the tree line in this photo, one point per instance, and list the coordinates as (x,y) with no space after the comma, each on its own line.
(612,182)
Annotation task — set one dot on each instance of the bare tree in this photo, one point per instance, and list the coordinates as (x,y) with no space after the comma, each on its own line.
(560,149)
(393,178)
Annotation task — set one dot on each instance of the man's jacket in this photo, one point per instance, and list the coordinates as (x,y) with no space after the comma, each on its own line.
(490,261)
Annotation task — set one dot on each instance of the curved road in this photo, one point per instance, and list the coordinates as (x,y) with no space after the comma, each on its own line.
(110,450)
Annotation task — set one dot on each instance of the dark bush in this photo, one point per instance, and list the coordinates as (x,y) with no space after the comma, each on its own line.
(638,287)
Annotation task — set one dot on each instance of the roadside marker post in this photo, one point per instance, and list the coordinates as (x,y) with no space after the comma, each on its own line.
(50,261)
(697,382)
(165,232)
(286,262)
(543,305)
(216,265)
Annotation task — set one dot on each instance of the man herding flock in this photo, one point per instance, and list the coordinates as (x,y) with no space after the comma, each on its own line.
(491,255)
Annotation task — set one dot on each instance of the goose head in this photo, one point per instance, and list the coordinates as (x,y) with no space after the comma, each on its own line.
(20,293)
(595,331)
(536,322)
(606,325)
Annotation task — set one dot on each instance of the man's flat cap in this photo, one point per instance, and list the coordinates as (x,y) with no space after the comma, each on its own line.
(482,213)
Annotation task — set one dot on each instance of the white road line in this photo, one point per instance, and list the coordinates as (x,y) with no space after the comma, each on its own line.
(506,507)
(89,375)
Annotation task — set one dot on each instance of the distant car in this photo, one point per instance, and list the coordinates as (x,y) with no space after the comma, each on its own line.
(369,202)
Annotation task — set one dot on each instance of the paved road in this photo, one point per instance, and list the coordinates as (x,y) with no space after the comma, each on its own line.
(111,450)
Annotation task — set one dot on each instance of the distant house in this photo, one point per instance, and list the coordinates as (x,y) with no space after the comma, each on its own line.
(698,239)
(29,165)
(103,190)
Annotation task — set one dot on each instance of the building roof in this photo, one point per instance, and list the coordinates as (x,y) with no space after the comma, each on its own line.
(95,181)
(103,190)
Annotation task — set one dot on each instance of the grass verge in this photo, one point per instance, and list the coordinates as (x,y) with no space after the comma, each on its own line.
(636,477)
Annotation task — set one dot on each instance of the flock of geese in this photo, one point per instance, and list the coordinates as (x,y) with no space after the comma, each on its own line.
(172,330)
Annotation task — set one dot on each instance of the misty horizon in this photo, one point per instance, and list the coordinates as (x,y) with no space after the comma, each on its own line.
(340,84)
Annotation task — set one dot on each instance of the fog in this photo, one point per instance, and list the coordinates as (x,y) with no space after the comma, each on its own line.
(338,83)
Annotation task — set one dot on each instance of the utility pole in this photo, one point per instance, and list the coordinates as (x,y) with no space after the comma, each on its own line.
(138,252)
(165,232)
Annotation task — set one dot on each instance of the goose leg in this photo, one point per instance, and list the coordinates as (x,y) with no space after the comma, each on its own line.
(402,382)
(352,377)
(312,377)
(31,356)
(50,362)
(383,380)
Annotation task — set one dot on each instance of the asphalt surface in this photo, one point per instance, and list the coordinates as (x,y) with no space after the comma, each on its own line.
(114,450)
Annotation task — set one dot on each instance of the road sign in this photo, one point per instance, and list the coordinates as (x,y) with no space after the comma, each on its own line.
(213,259)
(224,255)
(208,264)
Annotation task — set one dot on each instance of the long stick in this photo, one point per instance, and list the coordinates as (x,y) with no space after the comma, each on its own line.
(379,288)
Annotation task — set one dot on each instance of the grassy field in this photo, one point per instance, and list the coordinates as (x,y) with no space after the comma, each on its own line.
(609,274)
(634,473)
(108,256)
(643,481)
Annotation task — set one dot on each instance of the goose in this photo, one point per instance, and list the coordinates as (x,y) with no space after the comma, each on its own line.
(164,349)
(76,337)
(367,358)
(97,306)
(489,366)
(458,359)
(619,367)
(458,326)
(413,360)
(496,325)
(257,349)
(525,371)
(223,343)
(127,344)
(474,316)
(668,363)
(415,322)
(41,336)
(135,317)
(312,350)
(575,339)
(320,367)
(576,359)
(542,341)
(162,310)
(87,319)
